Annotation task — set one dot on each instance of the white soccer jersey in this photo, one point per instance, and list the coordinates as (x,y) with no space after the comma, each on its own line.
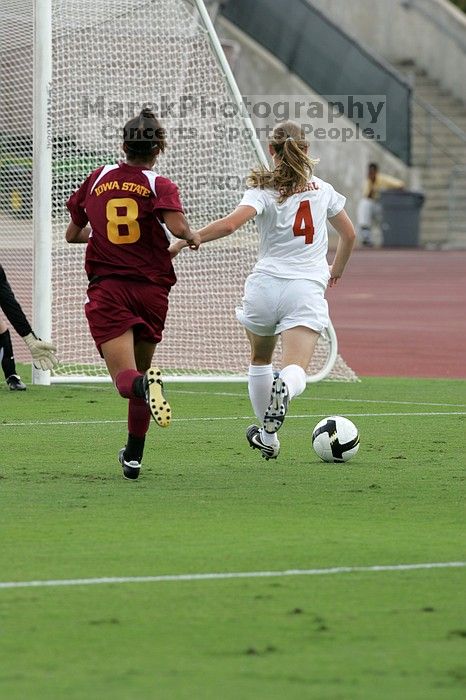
(293,235)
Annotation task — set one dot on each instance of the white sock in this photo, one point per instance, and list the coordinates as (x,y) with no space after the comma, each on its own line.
(268,438)
(260,380)
(295,379)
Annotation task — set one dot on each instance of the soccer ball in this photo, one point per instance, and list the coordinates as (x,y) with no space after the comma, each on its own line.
(335,439)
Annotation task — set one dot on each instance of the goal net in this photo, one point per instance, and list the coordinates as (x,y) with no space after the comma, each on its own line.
(109,59)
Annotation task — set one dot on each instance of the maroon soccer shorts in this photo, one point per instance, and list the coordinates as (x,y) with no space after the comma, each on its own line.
(114,305)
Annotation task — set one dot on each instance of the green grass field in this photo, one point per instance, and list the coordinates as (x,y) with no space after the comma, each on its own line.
(206,504)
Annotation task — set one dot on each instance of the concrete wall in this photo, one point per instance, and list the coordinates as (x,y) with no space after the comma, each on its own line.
(258,73)
(431,32)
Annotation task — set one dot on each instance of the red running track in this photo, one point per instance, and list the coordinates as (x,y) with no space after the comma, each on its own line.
(402,313)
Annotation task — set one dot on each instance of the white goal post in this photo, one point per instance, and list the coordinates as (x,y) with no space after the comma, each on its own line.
(71,74)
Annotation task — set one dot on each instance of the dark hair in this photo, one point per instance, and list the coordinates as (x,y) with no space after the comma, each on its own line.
(143,135)
(374,166)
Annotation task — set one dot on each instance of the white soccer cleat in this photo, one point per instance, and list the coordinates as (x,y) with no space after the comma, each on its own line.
(253,435)
(279,401)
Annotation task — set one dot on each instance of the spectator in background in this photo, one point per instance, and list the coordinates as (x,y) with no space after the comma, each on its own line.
(42,352)
(369,206)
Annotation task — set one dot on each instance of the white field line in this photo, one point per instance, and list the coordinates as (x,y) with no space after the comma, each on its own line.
(200,419)
(229,575)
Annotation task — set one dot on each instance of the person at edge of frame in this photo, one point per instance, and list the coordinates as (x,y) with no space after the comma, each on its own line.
(42,352)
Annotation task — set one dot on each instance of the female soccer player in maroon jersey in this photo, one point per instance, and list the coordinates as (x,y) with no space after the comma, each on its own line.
(130,272)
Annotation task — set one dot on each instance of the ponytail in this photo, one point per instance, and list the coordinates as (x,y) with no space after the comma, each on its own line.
(294,168)
(143,136)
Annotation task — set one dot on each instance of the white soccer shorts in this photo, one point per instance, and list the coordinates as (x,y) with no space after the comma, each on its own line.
(272,305)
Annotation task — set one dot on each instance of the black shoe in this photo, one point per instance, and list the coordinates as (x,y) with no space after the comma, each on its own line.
(276,412)
(254,438)
(130,469)
(153,391)
(15,383)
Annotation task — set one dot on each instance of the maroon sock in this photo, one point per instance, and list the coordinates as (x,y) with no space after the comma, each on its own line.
(138,417)
(124,382)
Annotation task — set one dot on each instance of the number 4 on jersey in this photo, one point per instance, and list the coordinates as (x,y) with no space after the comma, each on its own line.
(303,223)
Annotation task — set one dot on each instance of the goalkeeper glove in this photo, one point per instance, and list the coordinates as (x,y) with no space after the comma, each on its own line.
(42,352)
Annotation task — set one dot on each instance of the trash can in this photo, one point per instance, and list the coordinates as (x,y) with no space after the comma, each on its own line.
(401,211)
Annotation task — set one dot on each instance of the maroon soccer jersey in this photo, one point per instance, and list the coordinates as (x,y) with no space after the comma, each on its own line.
(124,204)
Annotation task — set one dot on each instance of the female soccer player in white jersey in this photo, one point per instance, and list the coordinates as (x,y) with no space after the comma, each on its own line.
(284,294)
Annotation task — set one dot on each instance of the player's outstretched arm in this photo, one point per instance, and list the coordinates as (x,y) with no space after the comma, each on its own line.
(219,228)
(347,236)
(228,224)
(11,307)
(43,353)
(176,223)
(75,234)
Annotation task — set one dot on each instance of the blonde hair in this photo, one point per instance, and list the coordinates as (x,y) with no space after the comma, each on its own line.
(294,168)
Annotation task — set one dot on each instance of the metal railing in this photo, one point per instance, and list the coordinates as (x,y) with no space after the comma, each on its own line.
(438,20)
(457,207)
(327,59)
(431,115)
(456,231)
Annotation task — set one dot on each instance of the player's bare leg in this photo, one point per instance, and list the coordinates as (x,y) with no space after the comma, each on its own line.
(119,354)
(260,374)
(298,345)
(123,359)
(120,359)
(129,364)
(152,384)
(260,380)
